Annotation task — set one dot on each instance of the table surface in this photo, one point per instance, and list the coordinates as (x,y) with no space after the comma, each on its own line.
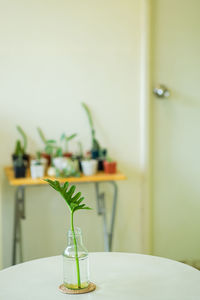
(117,276)
(99,177)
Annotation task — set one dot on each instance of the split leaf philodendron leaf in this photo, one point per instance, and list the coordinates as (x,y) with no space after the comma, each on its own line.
(73,201)
(74,204)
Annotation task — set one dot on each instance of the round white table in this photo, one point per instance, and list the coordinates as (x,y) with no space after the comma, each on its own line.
(117,276)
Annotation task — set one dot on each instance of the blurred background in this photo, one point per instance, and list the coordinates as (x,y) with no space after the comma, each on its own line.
(111,55)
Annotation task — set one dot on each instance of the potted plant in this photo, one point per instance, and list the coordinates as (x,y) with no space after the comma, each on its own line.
(89,166)
(23,148)
(101,159)
(47,146)
(75,256)
(37,166)
(51,150)
(19,163)
(96,151)
(110,166)
(79,155)
(64,138)
(95,144)
(66,167)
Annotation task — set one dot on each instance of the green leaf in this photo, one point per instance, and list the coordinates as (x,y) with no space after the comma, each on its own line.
(41,134)
(73,202)
(71,136)
(87,207)
(76,197)
(51,142)
(71,191)
(80,200)
(66,185)
(54,184)
(59,152)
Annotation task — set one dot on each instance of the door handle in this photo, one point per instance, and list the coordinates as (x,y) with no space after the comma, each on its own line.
(161,91)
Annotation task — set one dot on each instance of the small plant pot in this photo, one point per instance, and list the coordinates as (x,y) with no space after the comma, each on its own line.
(110,167)
(20,172)
(89,167)
(37,170)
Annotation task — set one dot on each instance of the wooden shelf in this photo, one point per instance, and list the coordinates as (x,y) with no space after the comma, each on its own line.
(100,176)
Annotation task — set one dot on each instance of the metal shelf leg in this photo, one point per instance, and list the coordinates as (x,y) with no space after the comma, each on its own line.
(101,209)
(19,214)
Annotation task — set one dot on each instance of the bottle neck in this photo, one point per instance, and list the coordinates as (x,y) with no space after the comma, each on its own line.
(78,236)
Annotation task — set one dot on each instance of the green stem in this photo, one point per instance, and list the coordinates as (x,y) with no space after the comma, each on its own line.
(76,252)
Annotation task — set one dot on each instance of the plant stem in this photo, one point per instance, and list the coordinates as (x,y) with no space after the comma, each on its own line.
(76,252)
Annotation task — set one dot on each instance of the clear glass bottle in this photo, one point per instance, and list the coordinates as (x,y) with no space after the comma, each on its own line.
(75,268)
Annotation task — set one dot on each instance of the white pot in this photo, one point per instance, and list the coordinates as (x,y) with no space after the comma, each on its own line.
(89,167)
(37,171)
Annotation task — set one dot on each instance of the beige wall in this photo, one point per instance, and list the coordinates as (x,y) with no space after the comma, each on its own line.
(176,123)
(53,55)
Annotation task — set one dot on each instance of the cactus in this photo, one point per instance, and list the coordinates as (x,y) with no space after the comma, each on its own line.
(18,149)
(41,134)
(95,143)
(24,137)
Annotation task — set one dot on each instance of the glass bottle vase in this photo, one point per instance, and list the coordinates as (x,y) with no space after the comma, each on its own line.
(75,262)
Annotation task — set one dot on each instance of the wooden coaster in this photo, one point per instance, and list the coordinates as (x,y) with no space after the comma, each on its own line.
(91,287)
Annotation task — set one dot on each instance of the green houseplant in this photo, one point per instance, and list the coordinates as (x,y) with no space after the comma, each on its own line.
(37,166)
(20,157)
(95,144)
(96,151)
(49,147)
(110,166)
(19,164)
(21,146)
(66,139)
(74,203)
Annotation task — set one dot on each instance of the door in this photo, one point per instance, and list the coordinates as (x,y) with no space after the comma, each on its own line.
(176,130)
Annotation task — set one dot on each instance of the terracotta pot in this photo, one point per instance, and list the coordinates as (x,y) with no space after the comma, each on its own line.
(110,167)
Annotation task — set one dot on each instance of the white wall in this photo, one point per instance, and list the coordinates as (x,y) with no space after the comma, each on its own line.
(53,55)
